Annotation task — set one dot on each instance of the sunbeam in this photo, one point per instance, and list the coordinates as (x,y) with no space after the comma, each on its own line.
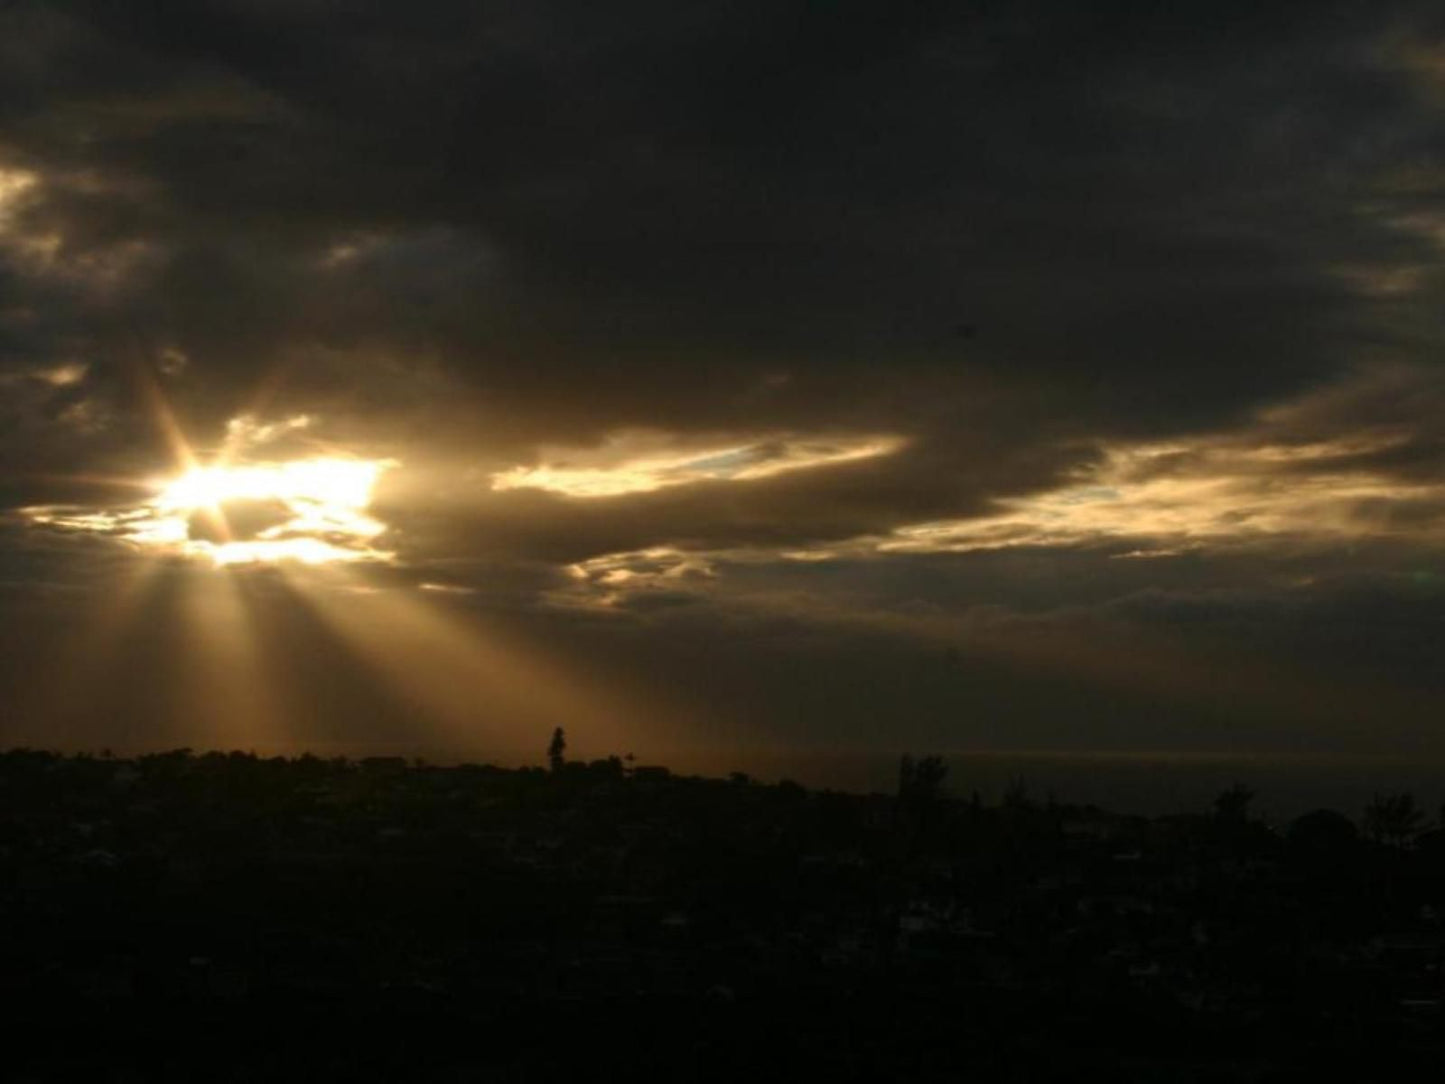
(238,702)
(476,686)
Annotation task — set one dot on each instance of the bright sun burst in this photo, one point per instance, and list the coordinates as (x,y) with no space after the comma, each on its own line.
(311,511)
(308,510)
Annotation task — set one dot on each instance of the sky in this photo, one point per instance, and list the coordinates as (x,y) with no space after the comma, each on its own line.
(722,380)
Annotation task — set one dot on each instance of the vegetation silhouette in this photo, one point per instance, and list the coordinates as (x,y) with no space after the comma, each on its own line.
(395,919)
(557,750)
(1393,819)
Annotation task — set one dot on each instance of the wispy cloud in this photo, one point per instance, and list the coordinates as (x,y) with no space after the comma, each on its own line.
(642,462)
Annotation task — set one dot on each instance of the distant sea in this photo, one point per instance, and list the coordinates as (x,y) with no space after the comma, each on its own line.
(1149,783)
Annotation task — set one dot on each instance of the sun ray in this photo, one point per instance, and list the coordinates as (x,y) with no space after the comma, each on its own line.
(68,689)
(238,701)
(305,643)
(482,689)
(165,419)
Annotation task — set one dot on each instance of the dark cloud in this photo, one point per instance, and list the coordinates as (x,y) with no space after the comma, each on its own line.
(1146,298)
(654,203)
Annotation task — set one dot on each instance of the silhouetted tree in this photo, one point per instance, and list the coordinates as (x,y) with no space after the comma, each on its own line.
(920,781)
(1016,798)
(556,749)
(1232,803)
(1393,819)
(920,788)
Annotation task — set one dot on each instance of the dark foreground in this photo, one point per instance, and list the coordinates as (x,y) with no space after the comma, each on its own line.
(224,917)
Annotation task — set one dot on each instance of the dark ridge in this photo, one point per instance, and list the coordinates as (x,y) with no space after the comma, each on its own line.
(224,916)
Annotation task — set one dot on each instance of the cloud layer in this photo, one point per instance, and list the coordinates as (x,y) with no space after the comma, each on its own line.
(1097,345)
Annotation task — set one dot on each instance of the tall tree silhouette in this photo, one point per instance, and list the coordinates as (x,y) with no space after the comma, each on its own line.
(1393,819)
(556,749)
(1231,805)
(920,782)
(920,792)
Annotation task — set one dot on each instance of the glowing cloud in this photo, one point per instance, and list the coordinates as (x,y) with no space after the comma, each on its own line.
(311,511)
(14,184)
(1253,491)
(245,430)
(640,462)
(612,578)
(1171,498)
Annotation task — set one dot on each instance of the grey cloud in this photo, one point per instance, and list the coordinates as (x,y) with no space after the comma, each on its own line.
(893,176)
(1017,236)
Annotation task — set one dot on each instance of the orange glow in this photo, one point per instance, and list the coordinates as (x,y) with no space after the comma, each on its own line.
(311,511)
(642,462)
(469,681)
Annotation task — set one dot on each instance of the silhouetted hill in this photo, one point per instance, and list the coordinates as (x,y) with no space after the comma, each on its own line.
(223,916)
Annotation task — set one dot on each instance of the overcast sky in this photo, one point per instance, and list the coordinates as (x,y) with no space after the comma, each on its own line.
(741,376)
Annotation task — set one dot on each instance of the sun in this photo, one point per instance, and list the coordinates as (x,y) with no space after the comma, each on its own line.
(339,483)
(312,511)
(232,508)
(309,510)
